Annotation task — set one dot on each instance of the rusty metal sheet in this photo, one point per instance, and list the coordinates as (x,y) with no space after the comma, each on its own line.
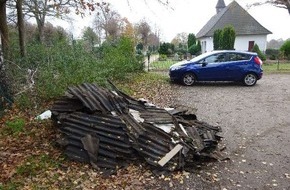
(106,127)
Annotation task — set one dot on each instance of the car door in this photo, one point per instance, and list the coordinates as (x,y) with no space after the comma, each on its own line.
(212,68)
(237,63)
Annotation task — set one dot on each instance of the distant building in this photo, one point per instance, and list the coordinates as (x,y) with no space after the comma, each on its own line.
(248,30)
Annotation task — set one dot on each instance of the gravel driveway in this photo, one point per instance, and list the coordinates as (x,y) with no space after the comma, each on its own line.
(256,129)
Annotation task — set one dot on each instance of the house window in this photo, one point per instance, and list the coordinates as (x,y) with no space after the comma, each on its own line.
(251,45)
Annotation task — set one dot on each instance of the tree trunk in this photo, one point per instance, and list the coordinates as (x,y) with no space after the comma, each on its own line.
(5,93)
(4,28)
(20,23)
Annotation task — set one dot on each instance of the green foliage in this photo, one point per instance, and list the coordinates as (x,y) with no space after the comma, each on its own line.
(162,65)
(65,64)
(58,63)
(191,40)
(273,54)
(90,38)
(285,48)
(225,38)
(140,46)
(15,126)
(72,65)
(217,38)
(194,49)
(162,57)
(258,51)
(166,49)
(119,59)
(228,38)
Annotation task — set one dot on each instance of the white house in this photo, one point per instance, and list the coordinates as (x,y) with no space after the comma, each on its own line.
(248,30)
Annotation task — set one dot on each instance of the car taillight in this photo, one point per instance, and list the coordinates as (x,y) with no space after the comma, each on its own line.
(258,61)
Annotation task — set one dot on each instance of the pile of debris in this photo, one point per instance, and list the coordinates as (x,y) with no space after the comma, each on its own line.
(106,127)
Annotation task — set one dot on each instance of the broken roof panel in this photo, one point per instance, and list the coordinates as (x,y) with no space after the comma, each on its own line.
(104,128)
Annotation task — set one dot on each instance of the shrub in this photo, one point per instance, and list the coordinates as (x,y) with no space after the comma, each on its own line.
(258,51)
(194,49)
(162,57)
(273,54)
(285,48)
(63,65)
(166,49)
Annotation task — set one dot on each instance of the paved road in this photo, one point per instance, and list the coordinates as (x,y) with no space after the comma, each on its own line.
(256,129)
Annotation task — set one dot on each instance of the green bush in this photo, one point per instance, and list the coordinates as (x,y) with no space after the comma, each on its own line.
(194,49)
(72,65)
(61,64)
(285,48)
(162,57)
(258,51)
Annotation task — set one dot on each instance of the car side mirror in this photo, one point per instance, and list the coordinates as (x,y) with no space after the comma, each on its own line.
(204,64)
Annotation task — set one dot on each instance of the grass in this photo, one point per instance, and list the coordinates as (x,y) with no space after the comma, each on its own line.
(162,65)
(15,126)
(282,67)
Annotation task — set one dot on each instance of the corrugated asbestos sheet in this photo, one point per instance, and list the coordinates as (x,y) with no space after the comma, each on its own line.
(105,127)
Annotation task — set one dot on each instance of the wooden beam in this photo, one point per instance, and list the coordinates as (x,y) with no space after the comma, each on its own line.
(170,155)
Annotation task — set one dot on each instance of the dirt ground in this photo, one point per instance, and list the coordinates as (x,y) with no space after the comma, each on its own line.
(256,130)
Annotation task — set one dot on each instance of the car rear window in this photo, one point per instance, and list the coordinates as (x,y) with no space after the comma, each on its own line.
(239,57)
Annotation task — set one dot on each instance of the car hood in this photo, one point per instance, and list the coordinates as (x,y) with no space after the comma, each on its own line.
(180,63)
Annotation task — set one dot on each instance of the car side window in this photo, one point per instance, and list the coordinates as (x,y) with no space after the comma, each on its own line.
(239,57)
(216,58)
(233,57)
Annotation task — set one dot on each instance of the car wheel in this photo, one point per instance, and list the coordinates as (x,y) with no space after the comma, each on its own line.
(250,79)
(188,79)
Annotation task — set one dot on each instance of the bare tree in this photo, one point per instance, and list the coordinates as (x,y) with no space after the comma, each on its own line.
(4,28)
(284,4)
(180,39)
(20,24)
(143,31)
(153,40)
(108,22)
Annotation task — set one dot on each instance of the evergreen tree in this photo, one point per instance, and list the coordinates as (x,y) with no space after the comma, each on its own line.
(217,38)
(191,40)
(228,38)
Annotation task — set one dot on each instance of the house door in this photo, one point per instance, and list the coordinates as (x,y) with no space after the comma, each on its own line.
(251,45)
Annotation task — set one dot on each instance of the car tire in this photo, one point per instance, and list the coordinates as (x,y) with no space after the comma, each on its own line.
(250,79)
(188,79)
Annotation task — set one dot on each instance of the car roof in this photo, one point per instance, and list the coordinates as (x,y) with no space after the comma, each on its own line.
(233,51)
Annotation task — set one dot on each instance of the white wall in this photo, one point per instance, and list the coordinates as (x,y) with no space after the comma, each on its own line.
(206,44)
(241,42)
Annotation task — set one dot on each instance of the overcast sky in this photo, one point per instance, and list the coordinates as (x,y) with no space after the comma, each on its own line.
(191,15)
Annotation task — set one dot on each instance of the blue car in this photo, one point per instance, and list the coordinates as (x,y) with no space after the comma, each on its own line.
(224,65)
